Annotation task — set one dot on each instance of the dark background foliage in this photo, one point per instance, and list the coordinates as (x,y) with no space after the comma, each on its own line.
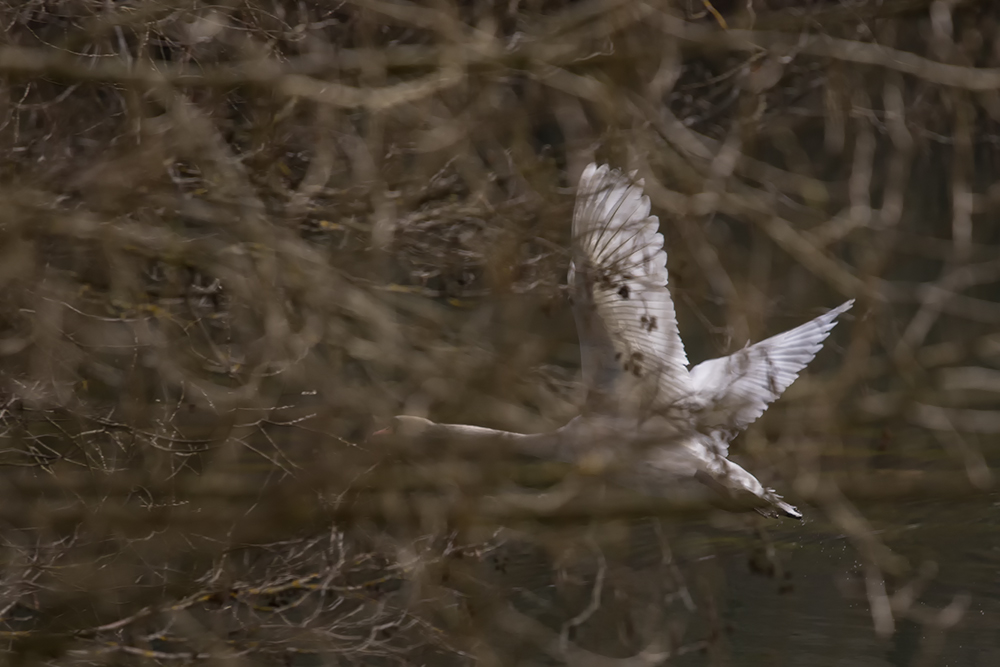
(236,237)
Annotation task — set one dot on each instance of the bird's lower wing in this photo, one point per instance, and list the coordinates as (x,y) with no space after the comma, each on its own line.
(737,389)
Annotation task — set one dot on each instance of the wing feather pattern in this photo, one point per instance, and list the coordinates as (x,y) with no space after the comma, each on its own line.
(738,388)
(618,277)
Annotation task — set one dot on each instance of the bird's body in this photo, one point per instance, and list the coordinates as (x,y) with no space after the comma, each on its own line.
(635,367)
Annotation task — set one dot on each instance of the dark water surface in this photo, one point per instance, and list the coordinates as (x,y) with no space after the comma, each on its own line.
(805,606)
(826,619)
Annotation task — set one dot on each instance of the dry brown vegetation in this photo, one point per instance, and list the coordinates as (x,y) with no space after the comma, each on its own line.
(238,236)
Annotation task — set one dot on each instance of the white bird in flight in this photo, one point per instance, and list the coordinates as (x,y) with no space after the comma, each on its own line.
(635,367)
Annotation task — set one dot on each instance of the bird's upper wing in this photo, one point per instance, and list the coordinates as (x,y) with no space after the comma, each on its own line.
(738,388)
(618,279)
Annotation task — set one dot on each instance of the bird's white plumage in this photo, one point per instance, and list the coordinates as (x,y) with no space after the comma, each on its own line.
(618,278)
(629,340)
(737,389)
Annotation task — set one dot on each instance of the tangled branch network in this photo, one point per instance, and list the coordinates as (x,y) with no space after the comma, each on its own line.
(640,389)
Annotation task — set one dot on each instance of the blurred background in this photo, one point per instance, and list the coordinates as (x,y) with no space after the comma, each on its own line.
(237,236)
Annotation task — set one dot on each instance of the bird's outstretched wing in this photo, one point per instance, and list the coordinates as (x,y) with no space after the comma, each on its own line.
(737,389)
(618,279)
